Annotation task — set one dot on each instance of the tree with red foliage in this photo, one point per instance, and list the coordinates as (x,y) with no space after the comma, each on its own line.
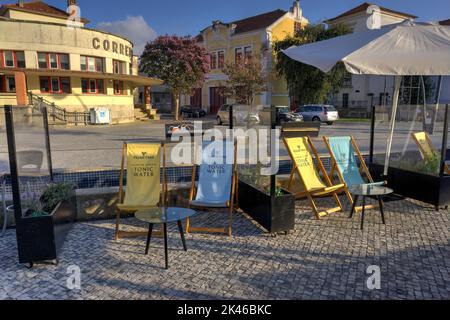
(179,61)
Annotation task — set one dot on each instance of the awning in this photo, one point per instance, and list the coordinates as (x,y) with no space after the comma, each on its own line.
(133,80)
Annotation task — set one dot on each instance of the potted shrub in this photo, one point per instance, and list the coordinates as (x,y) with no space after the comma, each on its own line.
(274,212)
(42,230)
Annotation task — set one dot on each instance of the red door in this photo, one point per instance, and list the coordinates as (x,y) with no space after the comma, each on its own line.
(196,99)
(216,99)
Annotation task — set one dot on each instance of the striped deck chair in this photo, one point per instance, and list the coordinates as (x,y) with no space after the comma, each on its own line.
(427,148)
(217,183)
(143,188)
(344,153)
(303,166)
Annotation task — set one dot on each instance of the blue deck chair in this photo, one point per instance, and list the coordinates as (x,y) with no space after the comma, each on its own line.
(344,153)
(217,182)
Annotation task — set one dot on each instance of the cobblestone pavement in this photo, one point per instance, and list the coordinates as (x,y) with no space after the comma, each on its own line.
(321,260)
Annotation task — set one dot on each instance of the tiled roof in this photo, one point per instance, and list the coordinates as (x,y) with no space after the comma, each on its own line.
(38,7)
(445,22)
(260,21)
(364,6)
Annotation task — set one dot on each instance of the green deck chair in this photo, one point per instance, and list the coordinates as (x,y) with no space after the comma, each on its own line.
(344,154)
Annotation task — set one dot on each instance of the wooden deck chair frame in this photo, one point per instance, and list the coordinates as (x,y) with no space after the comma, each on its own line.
(423,152)
(231,205)
(135,234)
(335,169)
(320,193)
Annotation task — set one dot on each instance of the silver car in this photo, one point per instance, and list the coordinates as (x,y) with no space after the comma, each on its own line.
(242,114)
(319,113)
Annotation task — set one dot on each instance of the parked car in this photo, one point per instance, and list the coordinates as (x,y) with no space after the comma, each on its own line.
(285,115)
(319,113)
(192,112)
(241,114)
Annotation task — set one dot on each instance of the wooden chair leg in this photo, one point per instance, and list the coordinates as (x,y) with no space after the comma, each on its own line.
(117,224)
(188,225)
(349,197)
(291,179)
(314,207)
(338,201)
(230,221)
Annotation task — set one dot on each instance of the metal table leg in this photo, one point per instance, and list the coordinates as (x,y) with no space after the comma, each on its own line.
(149,238)
(5,212)
(166,250)
(363,213)
(183,239)
(380,201)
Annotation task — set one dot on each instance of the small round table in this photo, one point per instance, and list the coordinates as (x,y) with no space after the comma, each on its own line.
(367,190)
(164,216)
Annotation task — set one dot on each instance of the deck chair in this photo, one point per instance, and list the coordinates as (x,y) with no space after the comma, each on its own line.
(303,166)
(217,185)
(143,189)
(344,162)
(427,148)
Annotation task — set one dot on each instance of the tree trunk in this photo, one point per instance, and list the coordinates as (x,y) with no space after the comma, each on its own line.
(176,104)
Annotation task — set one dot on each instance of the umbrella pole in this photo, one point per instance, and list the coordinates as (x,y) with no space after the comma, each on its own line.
(398,82)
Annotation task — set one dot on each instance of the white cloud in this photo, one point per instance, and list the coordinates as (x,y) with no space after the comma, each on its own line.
(135,29)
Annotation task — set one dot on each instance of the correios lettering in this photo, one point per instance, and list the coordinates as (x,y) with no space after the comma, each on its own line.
(112,46)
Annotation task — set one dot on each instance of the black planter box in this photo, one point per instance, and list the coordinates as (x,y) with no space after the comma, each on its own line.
(275,214)
(433,190)
(41,239)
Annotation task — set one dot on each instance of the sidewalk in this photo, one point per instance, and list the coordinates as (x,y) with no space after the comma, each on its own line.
(320,260)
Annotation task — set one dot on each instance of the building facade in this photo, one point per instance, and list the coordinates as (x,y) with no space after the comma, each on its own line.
(76,68)
(250,37)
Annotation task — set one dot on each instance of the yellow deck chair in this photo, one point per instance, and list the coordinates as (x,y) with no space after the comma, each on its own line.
(427,148)
(143,189)
(304,167)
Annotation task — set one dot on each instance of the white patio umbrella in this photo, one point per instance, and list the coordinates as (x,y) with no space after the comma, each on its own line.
(406,49)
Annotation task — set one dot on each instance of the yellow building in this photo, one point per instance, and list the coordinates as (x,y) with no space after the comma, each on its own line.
(254,36)
(76,68)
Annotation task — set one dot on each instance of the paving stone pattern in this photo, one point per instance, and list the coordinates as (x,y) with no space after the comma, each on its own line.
(324,259)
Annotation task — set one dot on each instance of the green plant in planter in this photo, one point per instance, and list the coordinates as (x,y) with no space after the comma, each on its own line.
(431,165)
(55,194)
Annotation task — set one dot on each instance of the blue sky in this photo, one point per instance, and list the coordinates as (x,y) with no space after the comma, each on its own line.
(151,17)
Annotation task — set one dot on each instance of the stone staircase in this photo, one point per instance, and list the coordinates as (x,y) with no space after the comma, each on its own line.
(145,115)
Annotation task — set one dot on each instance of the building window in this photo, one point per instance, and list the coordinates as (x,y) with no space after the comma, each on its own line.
(42,60)
(248,53)
(347,81)
(53,61)
(238,54)
(64,62)
(7,84)
(92,86)
(91,64)
(243,54)
(217,60)
(118,87)
(119,67)
(55,85)
(12,59)
(221,59)
(213,60)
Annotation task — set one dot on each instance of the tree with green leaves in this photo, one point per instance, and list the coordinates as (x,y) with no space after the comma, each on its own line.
(306,83)
(179,61)
(246,80)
